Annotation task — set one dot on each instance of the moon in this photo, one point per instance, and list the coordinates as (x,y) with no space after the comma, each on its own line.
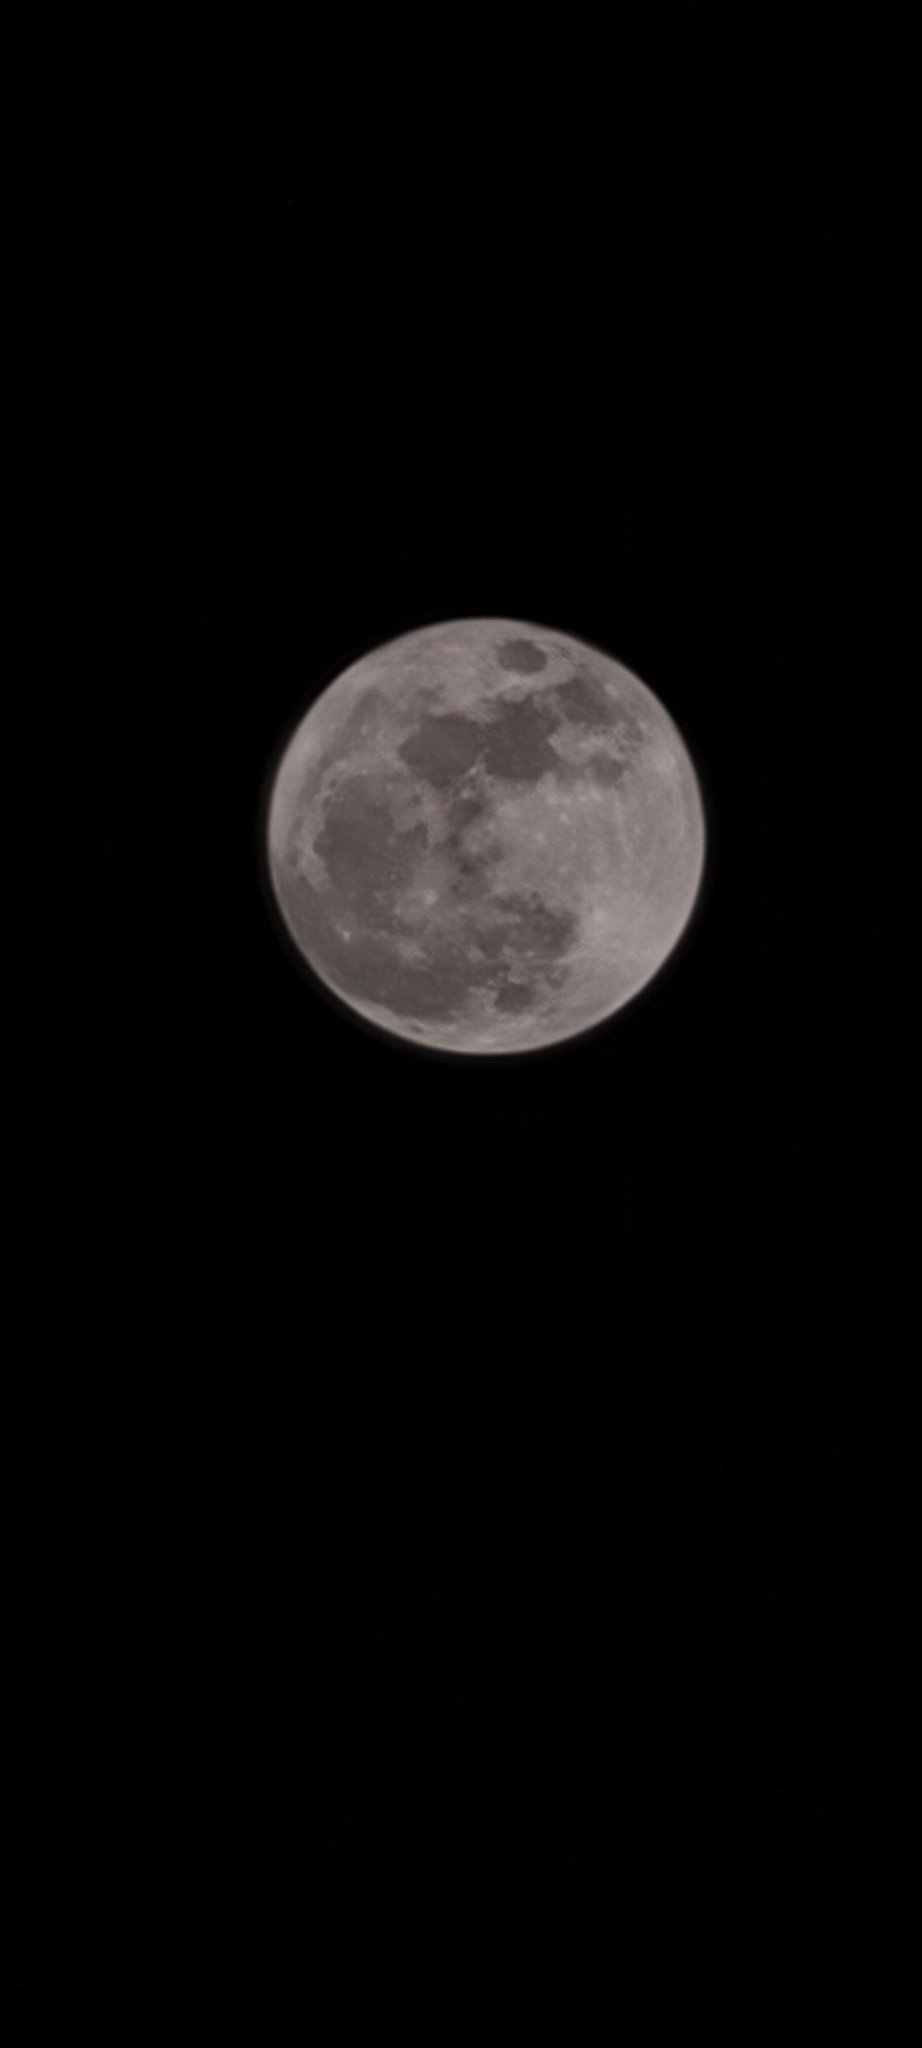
(485,836)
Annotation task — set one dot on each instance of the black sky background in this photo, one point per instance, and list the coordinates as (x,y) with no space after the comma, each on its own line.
(463,1508)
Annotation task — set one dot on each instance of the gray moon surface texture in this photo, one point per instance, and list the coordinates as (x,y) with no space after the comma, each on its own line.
(485,836)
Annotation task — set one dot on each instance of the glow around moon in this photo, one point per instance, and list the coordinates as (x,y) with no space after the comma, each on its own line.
(485,836)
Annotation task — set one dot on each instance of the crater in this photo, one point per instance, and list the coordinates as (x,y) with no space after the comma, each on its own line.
(520,657)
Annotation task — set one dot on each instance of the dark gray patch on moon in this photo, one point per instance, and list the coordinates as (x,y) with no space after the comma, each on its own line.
(469,865)
(516,744)
(442,748)
(584,700)
(519,934)
(488,941)
(536,930)
(365,854)
(468,877)
(464,810)
(513,744)
(513,997)
(520,657)
(607,769)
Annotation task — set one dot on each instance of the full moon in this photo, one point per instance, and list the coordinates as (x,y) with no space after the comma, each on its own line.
(485,836)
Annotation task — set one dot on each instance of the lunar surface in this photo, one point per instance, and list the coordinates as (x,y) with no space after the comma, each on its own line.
(485,836)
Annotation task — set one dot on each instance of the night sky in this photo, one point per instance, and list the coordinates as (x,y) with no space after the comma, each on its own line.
(461,1510)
